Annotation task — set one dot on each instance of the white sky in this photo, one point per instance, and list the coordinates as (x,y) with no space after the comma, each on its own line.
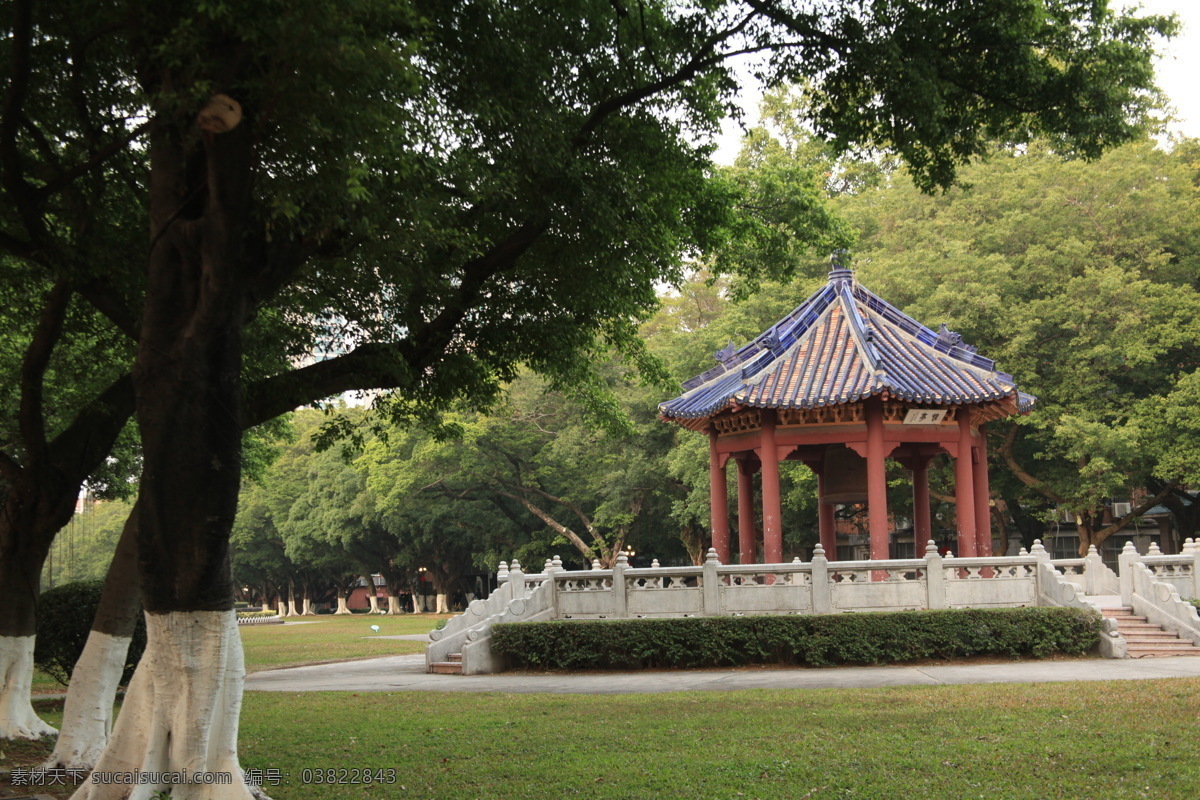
(1178,75)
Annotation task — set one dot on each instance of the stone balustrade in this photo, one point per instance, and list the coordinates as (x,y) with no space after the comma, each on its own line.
(1181,571)
(1155,585)
(714,589)
(815,587)
(1160,601)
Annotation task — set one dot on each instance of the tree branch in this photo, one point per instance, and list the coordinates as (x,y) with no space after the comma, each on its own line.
(87,441)
(11,169)
(1134,513)
(67,177)
(704,57)
(557,526)
(1024,477)
(100,295)
(33,369)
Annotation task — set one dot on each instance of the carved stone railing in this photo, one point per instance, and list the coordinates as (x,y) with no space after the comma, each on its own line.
(519,598)
(1157,600)
(1181,571)
(713,589)
(1089,573)
(1151,584)
(1057,589)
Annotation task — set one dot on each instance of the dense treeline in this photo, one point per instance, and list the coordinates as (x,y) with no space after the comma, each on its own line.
(1079,278)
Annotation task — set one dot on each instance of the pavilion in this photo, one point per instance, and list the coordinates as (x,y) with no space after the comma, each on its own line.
(842,383)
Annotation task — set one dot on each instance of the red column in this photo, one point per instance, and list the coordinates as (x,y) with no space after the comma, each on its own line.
(877,513)
(746,530)
(718,500)
(772,522)
(826,523)
(922,526)
(983,516)
(964,487)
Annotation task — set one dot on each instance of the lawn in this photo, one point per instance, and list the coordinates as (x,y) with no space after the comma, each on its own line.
(317,640)
(1083,741)
(1127,739)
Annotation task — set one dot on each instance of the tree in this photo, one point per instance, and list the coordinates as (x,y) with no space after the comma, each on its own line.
(415,176)
(1081,280)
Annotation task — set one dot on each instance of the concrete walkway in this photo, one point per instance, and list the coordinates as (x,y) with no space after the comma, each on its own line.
(407,673)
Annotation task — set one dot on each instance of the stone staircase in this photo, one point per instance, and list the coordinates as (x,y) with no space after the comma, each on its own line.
(453,666)
(1145,639)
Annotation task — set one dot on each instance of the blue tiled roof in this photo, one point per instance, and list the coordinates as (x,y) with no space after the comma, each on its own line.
(841,345)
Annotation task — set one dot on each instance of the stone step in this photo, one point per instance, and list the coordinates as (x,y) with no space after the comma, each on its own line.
(1162,650)
(1144,639)
(1152,638)
(446,667)
(454,657)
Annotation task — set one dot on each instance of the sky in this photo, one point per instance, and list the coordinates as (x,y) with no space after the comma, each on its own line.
(1178,73)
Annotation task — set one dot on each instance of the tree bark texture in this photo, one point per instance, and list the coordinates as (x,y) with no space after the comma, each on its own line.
(181,712)
(87,713)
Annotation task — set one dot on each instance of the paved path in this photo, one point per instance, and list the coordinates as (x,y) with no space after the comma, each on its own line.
(407,673)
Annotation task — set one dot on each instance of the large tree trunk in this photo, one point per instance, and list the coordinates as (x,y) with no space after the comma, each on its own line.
(17,717)
(181,711)
(87,714)
(292,610)
(24,545)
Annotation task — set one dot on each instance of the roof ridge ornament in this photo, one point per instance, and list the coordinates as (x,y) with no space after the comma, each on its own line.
(839,262)
(949,338)
(726,353)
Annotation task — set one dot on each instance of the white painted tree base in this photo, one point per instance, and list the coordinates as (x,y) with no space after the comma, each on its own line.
(393,604)
(87,714)
(17,718)
(374,604)
(443,604)
(177,731)
(342,607)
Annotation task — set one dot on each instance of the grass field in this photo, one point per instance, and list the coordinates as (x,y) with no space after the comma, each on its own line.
(320,639)
(1082,741)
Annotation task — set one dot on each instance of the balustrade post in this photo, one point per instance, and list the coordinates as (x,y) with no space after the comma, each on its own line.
(1126,562)
(1038,551)
(516,581)
(822,590)
(1093,569)
(710,584)
(935,578)
(553,567)
(1190,547)
(619,589)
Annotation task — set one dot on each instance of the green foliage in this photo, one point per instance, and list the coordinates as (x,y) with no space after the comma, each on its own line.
(65,617)
(84,547)
(811,640)
(1081,281)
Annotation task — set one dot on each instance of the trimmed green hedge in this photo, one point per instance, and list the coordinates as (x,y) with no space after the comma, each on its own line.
(65,616)
(877,638)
